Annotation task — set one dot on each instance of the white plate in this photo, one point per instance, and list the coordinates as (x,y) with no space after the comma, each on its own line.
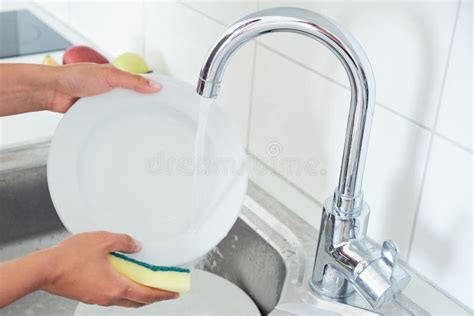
(122,162)
(210,295)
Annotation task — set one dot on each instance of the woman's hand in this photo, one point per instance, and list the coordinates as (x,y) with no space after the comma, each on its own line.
(78,268)
(26,88)
(83,272)
(81,80)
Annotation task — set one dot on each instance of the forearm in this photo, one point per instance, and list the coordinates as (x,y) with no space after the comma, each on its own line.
(25,87)
(23,275)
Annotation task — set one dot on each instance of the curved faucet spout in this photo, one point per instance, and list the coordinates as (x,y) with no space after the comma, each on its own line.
(348,195)
(345,260)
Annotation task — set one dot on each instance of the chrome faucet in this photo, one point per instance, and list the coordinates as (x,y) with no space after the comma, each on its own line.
(345,260)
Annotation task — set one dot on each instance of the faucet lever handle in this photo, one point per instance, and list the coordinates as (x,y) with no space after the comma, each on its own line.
(389,254)
(389,251)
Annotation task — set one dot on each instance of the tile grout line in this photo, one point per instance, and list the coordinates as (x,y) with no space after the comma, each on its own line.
(184,4)
(383,106)
(65,24)
(441,291)
(254,53)
(432,136)
(403,116)
(144,26)
(300,191)
(299,63)
(72,29)
(68,6)
(283,178)
(449,140)
(249,117)
(286,180)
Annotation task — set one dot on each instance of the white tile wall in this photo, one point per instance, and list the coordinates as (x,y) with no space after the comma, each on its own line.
(397,154)
(420,153)
(305,116)
(455,118)
(225,12)
(442,247)
(59,9)
(407,43)
(182,52)
(287,192)
(7,5)
(115,27)
(431,298)
(298,115)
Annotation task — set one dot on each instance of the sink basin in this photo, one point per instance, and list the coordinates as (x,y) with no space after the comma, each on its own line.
(29,222)
(268,253)
(247,260)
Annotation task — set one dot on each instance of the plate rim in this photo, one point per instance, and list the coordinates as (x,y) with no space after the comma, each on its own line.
(242,182)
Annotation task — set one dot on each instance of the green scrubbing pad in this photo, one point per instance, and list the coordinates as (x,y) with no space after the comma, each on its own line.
(173,279)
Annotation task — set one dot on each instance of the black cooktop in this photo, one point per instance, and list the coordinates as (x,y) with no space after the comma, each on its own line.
(22,33)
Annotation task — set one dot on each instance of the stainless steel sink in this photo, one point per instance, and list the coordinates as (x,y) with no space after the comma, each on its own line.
(28,222)
(246,259)
(268,253)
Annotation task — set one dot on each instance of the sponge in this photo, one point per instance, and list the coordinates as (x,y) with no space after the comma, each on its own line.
(173,279)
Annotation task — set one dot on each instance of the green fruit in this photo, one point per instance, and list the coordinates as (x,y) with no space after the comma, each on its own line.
(131,62)
(49,60)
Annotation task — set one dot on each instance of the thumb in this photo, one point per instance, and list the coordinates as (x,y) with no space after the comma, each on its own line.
(123,243)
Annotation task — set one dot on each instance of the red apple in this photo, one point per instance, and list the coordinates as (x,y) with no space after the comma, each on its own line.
(83,54)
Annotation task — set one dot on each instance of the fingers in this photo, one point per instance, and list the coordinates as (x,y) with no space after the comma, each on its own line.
(148,295)
(121,242)
(128,303)
(121,79)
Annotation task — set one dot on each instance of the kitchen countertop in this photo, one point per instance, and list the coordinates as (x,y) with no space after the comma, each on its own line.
(23,128)
(70,34)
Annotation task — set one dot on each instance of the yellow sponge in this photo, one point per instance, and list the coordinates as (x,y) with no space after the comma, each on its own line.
(173,279)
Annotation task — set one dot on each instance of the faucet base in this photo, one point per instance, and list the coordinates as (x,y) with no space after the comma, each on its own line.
(346,261)
(333,285)
(336,232)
